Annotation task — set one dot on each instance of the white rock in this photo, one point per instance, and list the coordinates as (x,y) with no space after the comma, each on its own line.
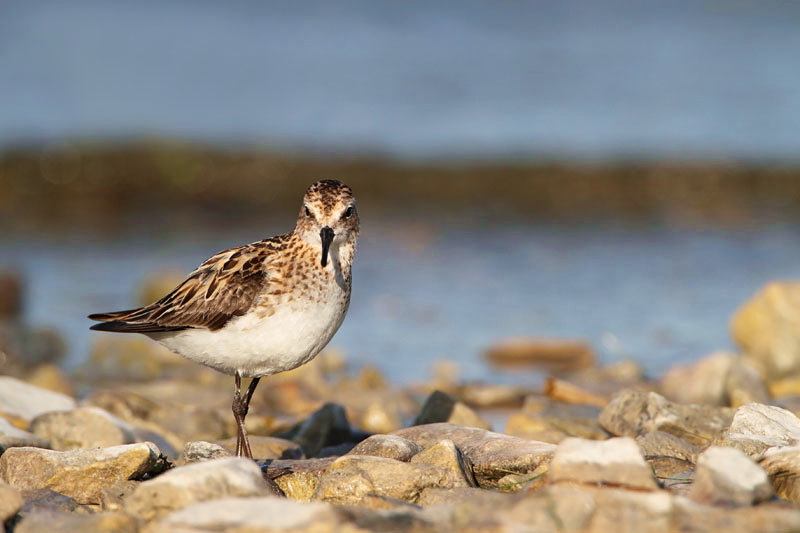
(757,427)
(11,436)
(727,476)
(251,514)
(21,400)
(616,461)
(216,478)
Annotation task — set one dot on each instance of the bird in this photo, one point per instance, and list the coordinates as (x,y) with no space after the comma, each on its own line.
(262,308)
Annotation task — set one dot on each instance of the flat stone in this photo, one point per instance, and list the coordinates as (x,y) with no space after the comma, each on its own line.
(79,474)
(229,477)
(22,401)
(441,407)
(616,462)
(13,437)
(267,447)
(782,465)
(556,355)
(11,501)
(352,477)
(61,522)
(632,413)
(766,517)
(389,446)
(200,450)
(756,427)
(39,500)
(84,427)
(666,453)
(445,454)
(493,455)
(252,515)
(727,476)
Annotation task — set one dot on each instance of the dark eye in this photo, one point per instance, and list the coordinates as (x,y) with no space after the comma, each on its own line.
(347,212)
(308,212)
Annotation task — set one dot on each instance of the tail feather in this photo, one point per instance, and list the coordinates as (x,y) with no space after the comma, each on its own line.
(116,322)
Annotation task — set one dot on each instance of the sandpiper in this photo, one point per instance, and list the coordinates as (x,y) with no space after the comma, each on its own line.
(262,308)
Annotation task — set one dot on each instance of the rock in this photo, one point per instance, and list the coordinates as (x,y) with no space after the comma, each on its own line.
(201,450)
(756,428)
(493,455)
(564,391)
(530,427)
(47,500)
(50,377)
(727,476)
(79,474)
(445,454)
(229,477)
(113,497)
(437,496)
(379,417)
(298,479)
(767,329)
(782,465)
(349,479)
(326,427)
(492,395)
(89,427)
(617,462)
(702,382)
(60,522)
(553,354)
(628,510)
(769,516)
(441,407)
(633,413)
(253,515)
(130,359)
(22,401)
(744,385)
(667,454)
(389,446)
(267,447)
(10,502)
(11,437)
(546,420)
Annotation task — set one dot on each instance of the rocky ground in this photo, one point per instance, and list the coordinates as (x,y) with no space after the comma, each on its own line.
(140,440)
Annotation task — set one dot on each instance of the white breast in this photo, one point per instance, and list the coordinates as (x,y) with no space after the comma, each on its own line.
(256,346)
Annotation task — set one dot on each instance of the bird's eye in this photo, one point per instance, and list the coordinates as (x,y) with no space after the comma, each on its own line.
(347,212)
(308,212)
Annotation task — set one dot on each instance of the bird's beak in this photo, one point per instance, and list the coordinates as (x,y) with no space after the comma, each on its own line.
(326,234)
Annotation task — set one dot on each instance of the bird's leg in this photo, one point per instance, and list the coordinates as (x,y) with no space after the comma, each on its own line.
(239,409)
(247,452)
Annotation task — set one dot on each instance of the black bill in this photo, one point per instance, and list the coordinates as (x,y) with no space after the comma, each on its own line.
(326,234)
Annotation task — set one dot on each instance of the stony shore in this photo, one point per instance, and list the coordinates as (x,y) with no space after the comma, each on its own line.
(139,440)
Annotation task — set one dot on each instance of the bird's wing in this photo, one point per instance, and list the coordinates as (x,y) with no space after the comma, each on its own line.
(223,287)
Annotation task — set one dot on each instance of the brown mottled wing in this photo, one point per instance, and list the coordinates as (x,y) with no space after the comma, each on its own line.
(223,287)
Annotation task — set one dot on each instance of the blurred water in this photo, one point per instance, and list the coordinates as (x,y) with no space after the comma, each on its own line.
(424,293)
(414,78)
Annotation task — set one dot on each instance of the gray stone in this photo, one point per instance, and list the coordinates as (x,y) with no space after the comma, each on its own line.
(727,476)
(493,455)
(22,401)
(229,477)
(756,428)
(200,450)
(325,427)
(632,413)
(617,462)
(702,382)
(441,407)
(349,479)
(79,474)
(666,453)
(12,437)
(39,500)
(389,446)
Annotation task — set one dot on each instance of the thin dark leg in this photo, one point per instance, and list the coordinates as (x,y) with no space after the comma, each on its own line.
(239,409)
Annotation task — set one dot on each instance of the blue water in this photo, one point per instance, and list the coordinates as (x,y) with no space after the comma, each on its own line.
(413,78)
(423,293)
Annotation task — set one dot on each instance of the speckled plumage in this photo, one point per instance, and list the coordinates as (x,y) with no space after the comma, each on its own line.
(261,308)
